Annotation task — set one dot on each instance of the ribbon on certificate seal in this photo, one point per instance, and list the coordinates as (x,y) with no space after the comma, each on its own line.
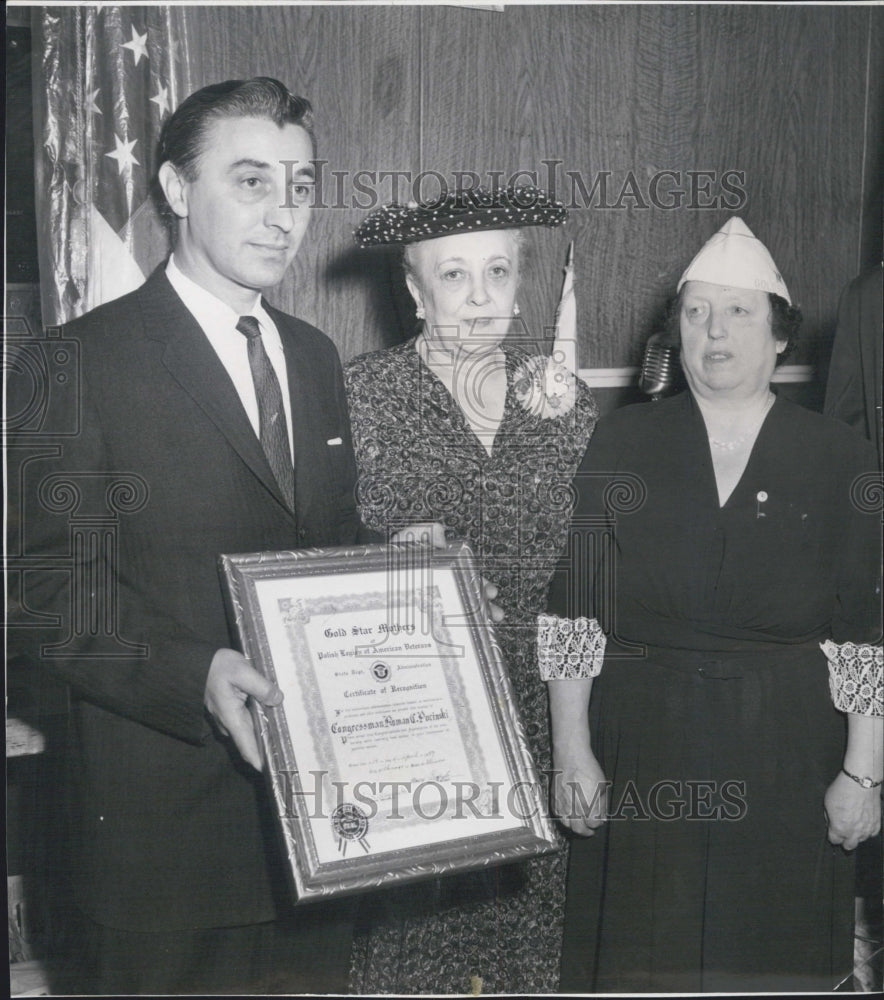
(350,823)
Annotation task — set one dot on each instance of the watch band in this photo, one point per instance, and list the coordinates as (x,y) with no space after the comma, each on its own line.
(862,782)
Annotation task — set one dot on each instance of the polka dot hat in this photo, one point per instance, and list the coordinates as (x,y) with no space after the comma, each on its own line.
(460,212)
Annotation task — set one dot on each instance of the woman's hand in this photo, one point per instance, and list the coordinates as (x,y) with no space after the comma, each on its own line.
(432,534)
(579,792)
(853,813)
(429,533)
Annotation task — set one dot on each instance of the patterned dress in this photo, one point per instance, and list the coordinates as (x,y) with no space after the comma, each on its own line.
(418,461)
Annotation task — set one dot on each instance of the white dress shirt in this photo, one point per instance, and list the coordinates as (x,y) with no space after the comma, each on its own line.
(218,322)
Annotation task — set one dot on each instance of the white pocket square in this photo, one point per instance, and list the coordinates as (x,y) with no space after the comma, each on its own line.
(333,441)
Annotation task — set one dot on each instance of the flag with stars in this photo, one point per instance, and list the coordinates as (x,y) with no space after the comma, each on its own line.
(108,77)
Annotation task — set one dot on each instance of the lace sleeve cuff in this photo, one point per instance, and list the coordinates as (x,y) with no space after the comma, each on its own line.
(569,648)
(856,677)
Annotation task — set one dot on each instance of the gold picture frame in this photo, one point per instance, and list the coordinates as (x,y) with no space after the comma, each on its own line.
(398,752)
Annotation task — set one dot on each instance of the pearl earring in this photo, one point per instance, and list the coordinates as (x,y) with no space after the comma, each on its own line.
(421,314)
(516,310)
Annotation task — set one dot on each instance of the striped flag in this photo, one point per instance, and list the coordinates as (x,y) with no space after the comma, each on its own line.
(108,76)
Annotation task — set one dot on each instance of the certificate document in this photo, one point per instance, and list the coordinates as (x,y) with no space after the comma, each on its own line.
(397,752)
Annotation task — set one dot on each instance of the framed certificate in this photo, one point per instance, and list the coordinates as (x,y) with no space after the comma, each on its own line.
(397,753)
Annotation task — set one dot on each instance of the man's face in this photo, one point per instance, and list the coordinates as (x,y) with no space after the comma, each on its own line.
(242,219)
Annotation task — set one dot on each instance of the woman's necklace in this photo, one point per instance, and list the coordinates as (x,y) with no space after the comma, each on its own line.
(738,442)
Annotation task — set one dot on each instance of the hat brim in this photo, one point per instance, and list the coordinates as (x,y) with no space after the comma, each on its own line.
(400,225)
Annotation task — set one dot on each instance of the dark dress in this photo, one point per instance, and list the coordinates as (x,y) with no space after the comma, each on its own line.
(720,738)
(419,461)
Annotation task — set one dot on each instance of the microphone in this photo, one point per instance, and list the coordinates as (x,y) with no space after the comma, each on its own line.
(658,367)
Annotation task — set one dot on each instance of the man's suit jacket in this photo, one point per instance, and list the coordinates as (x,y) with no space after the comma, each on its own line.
(853,389)
(173,830)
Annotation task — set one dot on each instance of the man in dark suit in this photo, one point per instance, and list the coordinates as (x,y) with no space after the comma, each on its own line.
(853,394)
(225,421)
(853,387)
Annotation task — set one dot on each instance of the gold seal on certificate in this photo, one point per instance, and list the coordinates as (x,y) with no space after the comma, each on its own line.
(397,753)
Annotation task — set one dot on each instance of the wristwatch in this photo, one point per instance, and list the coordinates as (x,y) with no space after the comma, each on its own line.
(864,782)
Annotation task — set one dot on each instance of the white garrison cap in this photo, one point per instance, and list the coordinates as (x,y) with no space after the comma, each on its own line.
(734,257)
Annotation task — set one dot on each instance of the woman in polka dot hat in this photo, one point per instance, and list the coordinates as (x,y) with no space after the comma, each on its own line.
(469,424)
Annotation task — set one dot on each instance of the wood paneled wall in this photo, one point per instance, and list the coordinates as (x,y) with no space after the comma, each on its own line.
(788,97)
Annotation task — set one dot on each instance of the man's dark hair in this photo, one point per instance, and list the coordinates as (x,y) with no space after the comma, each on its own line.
(183,137)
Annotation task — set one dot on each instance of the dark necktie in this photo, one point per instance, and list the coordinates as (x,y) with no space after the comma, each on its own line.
(274,437)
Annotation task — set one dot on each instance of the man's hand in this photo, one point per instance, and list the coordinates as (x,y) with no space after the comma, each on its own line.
(231,682)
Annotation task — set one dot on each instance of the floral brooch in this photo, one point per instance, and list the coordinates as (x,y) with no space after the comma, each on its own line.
(545,387)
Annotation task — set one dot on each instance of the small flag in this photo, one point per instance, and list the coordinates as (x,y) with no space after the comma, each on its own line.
(565,344)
